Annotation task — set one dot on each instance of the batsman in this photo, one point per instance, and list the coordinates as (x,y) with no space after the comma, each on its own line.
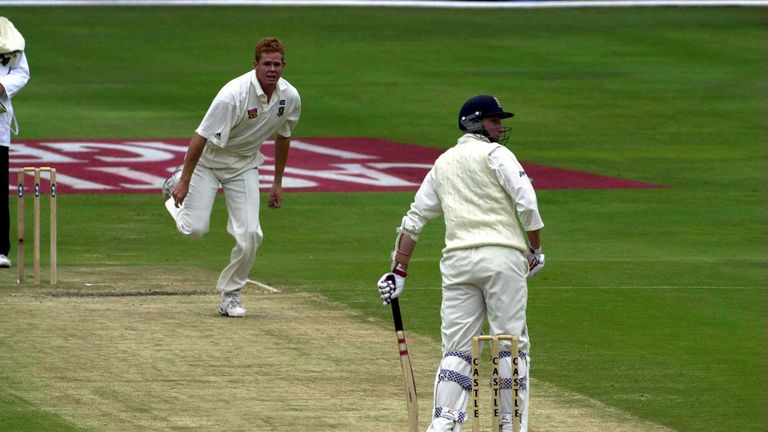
(492,246)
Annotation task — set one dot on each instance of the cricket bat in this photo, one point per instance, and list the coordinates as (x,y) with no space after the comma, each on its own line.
(407,369)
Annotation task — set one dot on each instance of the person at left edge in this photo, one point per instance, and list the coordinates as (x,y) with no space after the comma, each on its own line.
(226,151)
(14,75)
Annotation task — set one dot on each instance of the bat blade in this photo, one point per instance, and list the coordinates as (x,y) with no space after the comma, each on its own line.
(411,398)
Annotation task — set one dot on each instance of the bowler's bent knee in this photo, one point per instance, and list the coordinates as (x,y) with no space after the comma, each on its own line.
(189,228)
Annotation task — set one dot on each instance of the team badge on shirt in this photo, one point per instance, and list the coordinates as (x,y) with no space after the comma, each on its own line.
(253,113)
(281,109)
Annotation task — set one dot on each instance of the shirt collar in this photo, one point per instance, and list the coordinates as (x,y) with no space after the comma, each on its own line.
(470,137)
(281,85)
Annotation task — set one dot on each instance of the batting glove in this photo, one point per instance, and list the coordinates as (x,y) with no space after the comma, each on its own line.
(536,262)
(391,285)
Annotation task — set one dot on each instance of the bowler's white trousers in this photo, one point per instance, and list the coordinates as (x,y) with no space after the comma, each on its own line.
(241,193)
(488,281)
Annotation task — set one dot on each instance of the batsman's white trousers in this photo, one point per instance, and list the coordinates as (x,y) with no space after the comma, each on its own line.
(488,281)
(241,193)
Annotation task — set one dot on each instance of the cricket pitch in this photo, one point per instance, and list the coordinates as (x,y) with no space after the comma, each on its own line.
(113,353)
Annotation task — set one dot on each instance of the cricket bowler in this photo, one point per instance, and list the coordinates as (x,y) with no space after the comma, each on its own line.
(225,151)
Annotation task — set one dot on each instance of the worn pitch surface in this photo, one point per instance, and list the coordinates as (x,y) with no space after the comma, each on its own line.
(136,349)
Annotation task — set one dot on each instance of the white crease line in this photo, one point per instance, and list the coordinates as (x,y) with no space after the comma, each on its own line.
(88,284)
(264,286)
(275,290)
(664,287)
(394,3)
(544,287)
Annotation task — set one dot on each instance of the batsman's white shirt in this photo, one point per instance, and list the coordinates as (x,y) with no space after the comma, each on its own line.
(241,118)
(482,206)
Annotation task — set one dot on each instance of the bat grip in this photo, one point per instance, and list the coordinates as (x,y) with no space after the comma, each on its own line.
(396,314)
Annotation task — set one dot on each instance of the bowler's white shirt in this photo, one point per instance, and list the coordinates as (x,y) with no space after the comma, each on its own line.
(241,118)
(13,77)
(511,177)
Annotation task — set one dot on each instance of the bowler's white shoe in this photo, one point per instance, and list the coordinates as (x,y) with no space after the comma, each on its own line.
(230,306)
(170,205)
(170,182)
(4,261)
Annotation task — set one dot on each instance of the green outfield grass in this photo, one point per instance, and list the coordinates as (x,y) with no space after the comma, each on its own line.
(653,301)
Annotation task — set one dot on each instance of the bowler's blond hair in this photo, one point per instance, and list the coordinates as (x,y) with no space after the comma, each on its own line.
(269,45)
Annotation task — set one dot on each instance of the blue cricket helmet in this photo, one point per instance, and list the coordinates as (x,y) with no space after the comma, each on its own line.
(476,109)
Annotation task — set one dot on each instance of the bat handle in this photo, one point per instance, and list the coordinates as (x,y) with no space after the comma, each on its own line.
(396,316)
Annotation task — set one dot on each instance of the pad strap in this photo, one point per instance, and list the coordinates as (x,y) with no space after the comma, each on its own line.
(506,383)
(448,375)
(505,354)
(466,357)
(450,414)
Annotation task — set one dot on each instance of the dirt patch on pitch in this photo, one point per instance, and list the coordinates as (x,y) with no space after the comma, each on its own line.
(118,360)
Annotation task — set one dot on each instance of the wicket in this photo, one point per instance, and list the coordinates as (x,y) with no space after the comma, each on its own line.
(20,223)
(496,381)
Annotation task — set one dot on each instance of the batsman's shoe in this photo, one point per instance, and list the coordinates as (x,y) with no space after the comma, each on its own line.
(230,306)
(170,182)
(4,261)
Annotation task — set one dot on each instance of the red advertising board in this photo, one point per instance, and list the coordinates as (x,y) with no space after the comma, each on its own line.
(315,165)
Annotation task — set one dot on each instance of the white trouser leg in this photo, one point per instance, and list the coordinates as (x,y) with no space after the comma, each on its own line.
(507,375)
(194,215)
(242,196)
(452,384)
(506,296)
(475,282)
(506,293)
(463,313)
